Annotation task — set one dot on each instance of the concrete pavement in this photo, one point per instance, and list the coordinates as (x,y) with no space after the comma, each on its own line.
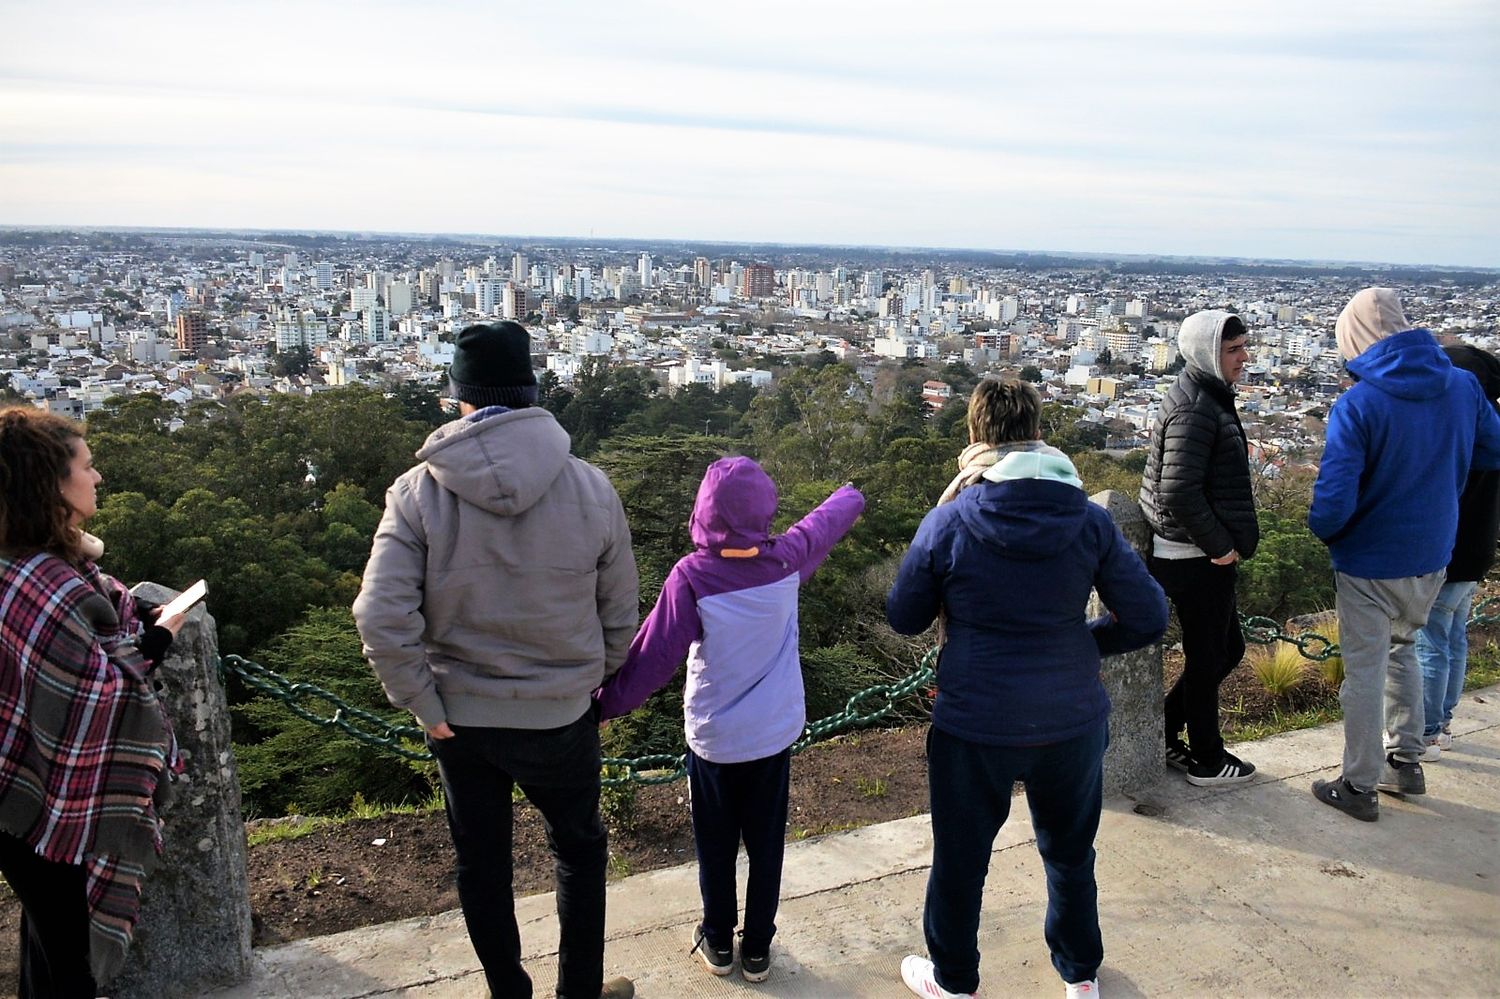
(1255,890)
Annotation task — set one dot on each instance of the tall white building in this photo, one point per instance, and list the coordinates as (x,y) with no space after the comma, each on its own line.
(299,328)
(398,298)
(644,268)
(487,296)
(520,270)
(1124,342)
(513,302)
(324,276)
(375,324)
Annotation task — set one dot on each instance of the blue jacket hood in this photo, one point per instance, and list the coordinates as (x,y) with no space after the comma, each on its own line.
(735,506)
(1029,518)
(1407,365)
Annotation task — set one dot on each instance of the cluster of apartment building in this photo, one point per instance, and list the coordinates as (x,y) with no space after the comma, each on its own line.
(85,317)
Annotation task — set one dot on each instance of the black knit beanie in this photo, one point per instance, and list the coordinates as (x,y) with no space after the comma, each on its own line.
(492,366)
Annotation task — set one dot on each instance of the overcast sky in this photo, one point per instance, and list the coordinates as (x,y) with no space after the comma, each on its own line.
(1289,128)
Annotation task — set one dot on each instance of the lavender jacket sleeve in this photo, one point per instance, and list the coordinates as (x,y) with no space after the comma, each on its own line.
(659,647)
(810,539)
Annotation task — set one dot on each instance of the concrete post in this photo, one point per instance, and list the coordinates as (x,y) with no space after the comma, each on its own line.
(194,930)
(1135,758)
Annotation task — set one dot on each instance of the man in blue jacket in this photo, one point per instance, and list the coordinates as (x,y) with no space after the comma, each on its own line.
(1400,445)
(1010,563)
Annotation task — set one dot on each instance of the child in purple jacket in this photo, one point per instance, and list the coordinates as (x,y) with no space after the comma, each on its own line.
(730,607)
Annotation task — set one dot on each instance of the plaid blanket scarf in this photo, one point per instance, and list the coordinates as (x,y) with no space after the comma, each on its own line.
(84,741)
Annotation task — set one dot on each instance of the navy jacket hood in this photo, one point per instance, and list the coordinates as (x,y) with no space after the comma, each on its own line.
(1024,518)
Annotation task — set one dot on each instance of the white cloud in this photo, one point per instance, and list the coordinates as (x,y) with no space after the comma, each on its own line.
(1286,129)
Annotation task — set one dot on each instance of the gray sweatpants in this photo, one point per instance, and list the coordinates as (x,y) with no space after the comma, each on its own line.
(1378,622)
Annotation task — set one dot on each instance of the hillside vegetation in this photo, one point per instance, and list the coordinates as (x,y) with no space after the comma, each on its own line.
(274,501)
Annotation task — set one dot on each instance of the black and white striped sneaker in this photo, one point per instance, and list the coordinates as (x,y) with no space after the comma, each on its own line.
(1231,770)
(1178,757)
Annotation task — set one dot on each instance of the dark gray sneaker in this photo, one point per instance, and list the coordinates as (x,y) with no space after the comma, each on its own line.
(718,961)
(1178,757)
(1362,805)
(1401,777)
(755,967)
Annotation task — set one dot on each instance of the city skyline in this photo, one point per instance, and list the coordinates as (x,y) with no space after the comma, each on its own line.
(1338,133)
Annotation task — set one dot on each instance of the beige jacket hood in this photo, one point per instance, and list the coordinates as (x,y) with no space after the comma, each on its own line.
(1371,315)
(501,587)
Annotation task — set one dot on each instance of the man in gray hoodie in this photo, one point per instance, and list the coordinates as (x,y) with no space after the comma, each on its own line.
(1196,495)
(501,591)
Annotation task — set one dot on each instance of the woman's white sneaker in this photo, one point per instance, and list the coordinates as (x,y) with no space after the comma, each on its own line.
(918,974)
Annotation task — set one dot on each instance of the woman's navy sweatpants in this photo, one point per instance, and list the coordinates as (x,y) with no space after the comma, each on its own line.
(970,787)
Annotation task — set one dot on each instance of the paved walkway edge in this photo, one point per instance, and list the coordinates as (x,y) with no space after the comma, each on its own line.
(1253,890)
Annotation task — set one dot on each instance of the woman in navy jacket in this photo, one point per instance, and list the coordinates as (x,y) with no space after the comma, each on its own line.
(1010,563)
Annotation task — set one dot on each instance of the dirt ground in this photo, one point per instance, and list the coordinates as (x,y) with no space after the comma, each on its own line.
(337,878)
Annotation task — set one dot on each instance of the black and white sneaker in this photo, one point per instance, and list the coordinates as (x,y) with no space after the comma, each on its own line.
(1402,777)
(1362,805)
(1231,770)
(1178,757)
(719,961)
(755,967)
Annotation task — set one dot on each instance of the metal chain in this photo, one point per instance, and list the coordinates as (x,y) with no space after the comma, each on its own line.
(1480,618)
(866,707)
(1264,631)
(366,726)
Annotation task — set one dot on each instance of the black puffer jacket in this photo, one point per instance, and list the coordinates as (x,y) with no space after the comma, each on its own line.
(1479,506)
(1197,482)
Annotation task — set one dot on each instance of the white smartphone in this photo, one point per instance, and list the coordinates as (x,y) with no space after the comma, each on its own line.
(184,601)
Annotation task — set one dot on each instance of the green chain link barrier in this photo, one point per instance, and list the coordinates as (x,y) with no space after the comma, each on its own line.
(1264,631)
(864,708)
(1480,618)
(346,717)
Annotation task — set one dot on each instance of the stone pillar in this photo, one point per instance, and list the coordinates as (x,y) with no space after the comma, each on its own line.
(1135,758)
(194,930)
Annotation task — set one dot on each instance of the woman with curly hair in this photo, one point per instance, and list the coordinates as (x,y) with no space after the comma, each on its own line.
(84,742)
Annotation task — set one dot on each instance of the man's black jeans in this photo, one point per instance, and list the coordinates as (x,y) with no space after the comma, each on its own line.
(1212,646)
(558,769)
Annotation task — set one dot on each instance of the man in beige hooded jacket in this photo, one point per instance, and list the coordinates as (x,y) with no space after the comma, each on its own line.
(500,593)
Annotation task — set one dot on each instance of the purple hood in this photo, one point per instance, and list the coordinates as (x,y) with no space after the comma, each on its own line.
(735,506)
